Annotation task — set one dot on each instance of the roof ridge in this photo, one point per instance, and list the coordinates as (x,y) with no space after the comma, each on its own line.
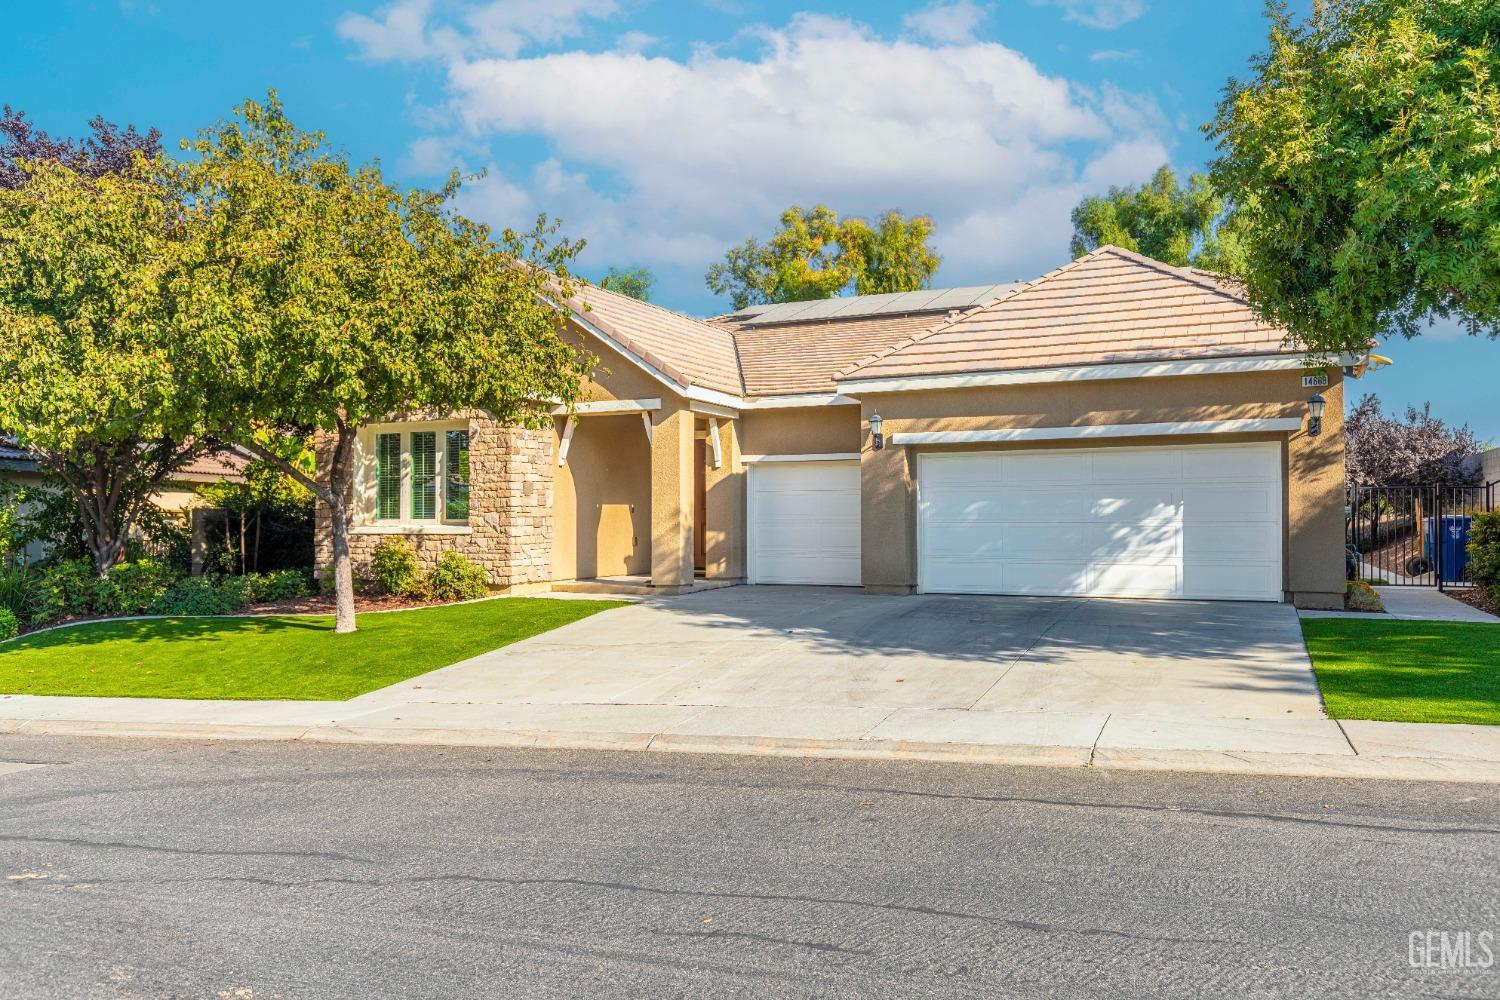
(672,372)
(1183,272)
(919,337)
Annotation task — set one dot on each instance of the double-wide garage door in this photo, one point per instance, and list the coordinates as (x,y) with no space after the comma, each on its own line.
(1184,521)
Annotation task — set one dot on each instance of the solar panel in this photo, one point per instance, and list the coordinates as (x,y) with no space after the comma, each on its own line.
(886,303)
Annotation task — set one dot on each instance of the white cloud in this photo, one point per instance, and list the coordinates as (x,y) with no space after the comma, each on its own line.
(409,30)
(1115,55)
(670,160)
(1103,14)
(950,22)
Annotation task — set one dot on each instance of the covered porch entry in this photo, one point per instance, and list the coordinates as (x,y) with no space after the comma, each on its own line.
(648,497)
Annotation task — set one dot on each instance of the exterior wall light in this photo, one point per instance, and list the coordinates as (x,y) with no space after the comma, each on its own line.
(1315,412)
(877,438)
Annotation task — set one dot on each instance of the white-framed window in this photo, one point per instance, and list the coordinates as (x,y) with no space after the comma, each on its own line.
(414,473)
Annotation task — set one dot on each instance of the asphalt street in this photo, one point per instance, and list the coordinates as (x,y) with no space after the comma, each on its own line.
(134,868)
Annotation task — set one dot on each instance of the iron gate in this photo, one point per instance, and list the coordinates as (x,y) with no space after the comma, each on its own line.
(1413,536)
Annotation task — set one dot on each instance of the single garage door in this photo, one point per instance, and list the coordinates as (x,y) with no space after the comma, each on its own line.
(804,522)
(1186,522)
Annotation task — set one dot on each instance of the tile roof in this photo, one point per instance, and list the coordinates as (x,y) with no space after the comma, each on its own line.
(219,465)
(1109,306)
(690,352)
(790,358)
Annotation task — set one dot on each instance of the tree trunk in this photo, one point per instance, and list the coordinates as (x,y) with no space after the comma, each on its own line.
(335,494)
(343,567)
(242,542)
(255,557)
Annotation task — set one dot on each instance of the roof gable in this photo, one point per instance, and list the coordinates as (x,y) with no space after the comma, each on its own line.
(684,351)
(1109,306)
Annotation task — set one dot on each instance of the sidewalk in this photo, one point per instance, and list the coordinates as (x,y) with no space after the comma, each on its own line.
(1415,604)
(822,673)
(1310,747)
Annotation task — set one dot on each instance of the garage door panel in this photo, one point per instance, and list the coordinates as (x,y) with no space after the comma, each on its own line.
(1044,578)
(1214,504)
(1140,466)
(1051,469)
(1229,542)
(1229,581)
(1132,505)
(1185,521)
(804,523)
(1137,543)
(1132,579)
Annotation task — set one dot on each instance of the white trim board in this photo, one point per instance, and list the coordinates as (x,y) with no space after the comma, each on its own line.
(850,456)
(1085,373)
(1273,425)
(605,406)
(798,400)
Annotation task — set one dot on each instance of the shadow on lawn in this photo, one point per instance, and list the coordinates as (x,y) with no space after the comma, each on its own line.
(158,629)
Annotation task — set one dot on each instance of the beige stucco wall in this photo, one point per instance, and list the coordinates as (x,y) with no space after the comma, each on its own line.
(810,430)
(602,500)
(1314,562)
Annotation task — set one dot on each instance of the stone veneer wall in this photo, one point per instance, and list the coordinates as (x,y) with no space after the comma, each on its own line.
(510,510)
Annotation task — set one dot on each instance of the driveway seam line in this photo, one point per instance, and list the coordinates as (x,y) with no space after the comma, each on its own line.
(1094,749)
(1345,734)
(1077,603)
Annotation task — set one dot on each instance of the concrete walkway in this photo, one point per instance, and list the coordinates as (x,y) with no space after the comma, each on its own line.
(1416,604)
(825,672)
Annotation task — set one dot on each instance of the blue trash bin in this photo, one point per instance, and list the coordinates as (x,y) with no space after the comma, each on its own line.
(1454,542)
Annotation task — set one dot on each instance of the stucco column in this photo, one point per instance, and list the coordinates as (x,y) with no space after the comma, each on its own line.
(887,525)
(1315,505)
(725,489)
(672,498)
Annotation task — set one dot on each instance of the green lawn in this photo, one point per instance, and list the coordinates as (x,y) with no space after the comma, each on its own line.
(291,656)
(1401,671)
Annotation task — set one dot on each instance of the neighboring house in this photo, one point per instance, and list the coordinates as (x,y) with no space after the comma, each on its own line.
(178,496)
(1489,466)
(1117,427)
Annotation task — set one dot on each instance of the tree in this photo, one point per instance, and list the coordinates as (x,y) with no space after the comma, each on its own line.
(96,309)
(266,491)
(1383,449)
(816,255)
(1163,220)
(108,150)
(1361,153)
(635,282)
(342,300)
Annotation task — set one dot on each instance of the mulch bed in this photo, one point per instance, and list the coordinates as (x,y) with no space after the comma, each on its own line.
(1475,598)
(322,604)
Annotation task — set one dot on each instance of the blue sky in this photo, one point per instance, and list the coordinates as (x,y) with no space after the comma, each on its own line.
(662,132)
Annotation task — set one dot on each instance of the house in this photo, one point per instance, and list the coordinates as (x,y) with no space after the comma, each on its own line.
(1489,466)
(178,496)
(1116,427)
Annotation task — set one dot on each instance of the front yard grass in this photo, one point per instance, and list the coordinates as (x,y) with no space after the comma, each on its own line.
(1405,671)
(284,656)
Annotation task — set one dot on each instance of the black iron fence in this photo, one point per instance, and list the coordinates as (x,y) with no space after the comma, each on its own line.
(1413,536)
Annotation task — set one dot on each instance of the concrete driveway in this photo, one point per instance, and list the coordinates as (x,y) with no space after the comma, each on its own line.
(790,655)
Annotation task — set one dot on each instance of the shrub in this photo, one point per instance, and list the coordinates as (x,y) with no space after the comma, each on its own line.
(1484,553)
(284,583)
(68,588)
(454,578)
(196,595)
(394,567)
(1360,596)
(9,627)
(23,594)
(130,588)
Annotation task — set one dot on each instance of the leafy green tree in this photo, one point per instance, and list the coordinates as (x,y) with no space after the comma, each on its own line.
(97,307)
(635,282)
(344,300)
(1163,220)
(816,255)
(266,492)
(1362,152)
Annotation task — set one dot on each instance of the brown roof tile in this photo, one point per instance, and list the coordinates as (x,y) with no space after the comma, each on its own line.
(792,358)
(687,351)
(1109,306)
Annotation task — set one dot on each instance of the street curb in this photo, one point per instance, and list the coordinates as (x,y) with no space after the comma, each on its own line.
(1124,759)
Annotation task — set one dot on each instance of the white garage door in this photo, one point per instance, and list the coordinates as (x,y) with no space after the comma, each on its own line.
(804,522)
(1187,521)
